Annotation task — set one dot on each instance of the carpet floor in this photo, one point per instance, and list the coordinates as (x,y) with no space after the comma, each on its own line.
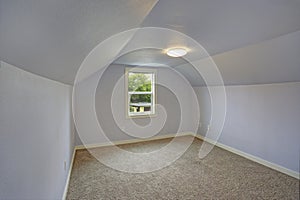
(220,175)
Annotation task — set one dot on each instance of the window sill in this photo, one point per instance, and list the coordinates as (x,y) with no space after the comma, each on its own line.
(142,115)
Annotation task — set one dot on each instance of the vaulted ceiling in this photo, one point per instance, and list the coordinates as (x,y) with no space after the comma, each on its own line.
(251,42)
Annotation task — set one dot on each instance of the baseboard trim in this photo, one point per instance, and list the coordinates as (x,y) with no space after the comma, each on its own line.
(223,146)
(78,147)
(132,141)
(69,176)
(253,158)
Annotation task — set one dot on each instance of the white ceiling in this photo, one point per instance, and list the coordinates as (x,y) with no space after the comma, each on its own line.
(220,25)
(149,57)
(52,37)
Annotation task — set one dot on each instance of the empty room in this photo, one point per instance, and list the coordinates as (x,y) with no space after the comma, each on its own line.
(149,99)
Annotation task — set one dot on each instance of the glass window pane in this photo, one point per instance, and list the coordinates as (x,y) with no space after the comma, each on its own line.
(140,103)
(141,82)
(140,91)
(140,98)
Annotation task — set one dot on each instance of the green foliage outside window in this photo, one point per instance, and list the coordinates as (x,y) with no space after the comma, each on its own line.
(139,82)
(137,98)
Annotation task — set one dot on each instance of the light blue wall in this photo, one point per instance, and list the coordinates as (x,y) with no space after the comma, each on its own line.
(261,120)
(36,135)
(173,91)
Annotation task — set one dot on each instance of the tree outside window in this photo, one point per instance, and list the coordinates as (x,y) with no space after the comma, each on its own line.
(140,91)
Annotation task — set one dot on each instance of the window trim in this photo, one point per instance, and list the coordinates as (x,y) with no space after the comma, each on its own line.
(153,92)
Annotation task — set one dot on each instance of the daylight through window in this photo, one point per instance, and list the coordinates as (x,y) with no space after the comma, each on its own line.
(140,86)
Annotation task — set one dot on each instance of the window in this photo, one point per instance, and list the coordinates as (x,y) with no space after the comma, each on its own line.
(140,90)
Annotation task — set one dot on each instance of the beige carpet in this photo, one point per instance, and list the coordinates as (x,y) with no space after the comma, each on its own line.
(221,175)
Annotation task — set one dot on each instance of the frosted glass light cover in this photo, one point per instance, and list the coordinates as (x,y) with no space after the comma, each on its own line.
(176,52)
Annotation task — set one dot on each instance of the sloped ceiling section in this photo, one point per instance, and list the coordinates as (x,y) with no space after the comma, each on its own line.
(271,61)
(252,42)
(221,26)
(52,37)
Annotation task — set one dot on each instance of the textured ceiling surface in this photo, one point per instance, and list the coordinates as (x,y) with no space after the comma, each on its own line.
(251,41)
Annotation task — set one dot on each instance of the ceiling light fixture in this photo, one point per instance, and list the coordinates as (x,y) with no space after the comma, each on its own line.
(176,52)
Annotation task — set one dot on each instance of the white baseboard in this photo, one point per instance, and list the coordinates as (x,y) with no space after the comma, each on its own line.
(78,147)
(131,141)
(223,146)
(253,158)
(69,175)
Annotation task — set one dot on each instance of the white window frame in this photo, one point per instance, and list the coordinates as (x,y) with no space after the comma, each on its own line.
(152,111)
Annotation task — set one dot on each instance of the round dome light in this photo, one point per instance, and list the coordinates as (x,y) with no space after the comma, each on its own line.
(176,52)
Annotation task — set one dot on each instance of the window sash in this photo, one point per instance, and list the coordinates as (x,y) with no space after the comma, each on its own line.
(139,93)
(151,112)
(142,104)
